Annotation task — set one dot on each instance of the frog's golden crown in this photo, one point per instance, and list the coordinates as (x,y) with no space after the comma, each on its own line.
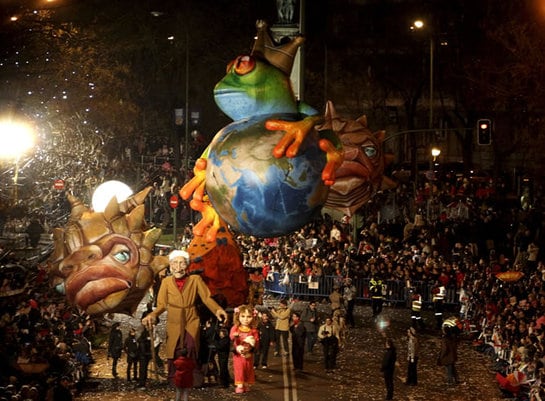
(281,56)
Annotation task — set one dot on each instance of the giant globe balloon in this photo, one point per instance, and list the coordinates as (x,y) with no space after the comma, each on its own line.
(257,194)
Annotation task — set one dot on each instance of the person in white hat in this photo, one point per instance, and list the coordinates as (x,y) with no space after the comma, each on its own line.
(178,295)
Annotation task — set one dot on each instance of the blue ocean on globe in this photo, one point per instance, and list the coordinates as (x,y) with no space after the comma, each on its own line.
(257,194)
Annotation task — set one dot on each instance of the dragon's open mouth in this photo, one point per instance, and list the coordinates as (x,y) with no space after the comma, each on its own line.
(95,283)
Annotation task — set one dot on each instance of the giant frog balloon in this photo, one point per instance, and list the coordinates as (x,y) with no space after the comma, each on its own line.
(103,261)
(267,173)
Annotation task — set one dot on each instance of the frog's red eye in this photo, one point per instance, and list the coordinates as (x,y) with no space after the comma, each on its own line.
(244,64)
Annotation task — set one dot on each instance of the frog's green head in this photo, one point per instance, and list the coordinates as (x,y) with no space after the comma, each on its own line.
(254,87)
(259,84)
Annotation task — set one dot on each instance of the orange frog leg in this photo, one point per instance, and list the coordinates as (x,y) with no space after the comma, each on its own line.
(209,225)
(195,186)
(295,133)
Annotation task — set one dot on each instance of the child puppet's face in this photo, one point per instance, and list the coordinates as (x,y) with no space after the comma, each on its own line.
(245,318)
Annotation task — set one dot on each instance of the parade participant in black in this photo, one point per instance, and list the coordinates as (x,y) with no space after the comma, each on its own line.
(149,309)
(309,317)
(266,339)
(448,354)
(376,287)
(131,349)
(223,347)
(298,341)
(413,347)
(329,337)
(159,364)
(62,391)
(144,356)
(388,367)
(349,298)
(208,351)
(34,232)
(115,346)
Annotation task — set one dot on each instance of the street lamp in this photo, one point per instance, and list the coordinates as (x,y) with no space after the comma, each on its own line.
(16,138)
(419,25)
(435,152)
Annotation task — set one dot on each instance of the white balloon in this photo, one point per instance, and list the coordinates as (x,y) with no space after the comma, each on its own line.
(106,191)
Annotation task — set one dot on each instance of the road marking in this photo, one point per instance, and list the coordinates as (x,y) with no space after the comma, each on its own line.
(288,374)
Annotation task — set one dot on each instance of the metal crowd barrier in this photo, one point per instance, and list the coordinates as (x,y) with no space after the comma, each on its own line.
(395,291)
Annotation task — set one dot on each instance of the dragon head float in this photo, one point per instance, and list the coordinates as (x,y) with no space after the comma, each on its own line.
(361,173)
(103,261)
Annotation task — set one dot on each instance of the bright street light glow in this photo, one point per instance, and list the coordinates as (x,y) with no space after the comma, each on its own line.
(15,139)
(435,152)
(418,24)
(106,191)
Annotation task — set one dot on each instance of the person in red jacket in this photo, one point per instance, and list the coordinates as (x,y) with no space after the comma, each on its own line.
(183,377)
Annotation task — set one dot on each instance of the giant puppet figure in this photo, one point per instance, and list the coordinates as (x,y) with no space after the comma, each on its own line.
(103,261)
(266,174)
(360,175)
(254,178)
(269,172)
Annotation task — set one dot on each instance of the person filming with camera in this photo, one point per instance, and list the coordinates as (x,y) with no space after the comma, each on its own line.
(328,335)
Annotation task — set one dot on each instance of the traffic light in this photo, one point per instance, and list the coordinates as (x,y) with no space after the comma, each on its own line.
(484,131)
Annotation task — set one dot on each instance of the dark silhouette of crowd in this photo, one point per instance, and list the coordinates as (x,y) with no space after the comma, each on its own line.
(45,344)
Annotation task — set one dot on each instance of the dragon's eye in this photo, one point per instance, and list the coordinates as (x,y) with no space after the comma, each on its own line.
(61,288)
(244,64)
(370,151)
(122,256)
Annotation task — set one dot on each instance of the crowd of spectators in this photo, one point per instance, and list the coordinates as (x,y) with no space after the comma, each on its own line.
(473,236)
(44,342)
(460,234)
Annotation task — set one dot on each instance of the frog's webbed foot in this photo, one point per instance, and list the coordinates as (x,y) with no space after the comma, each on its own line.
(335,157)
(209,224)
(195,186)
(295,133)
